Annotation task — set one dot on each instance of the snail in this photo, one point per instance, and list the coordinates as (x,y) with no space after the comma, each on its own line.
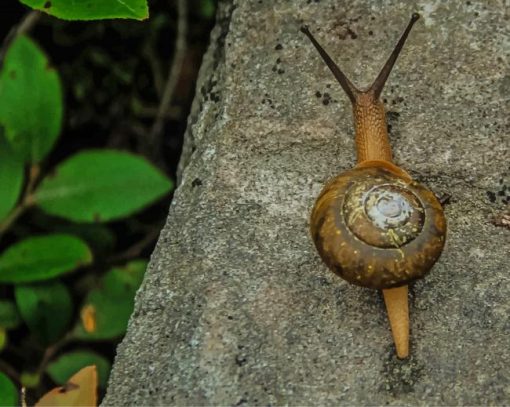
(374,225)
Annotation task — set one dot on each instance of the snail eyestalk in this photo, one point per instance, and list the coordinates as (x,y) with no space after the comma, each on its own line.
(346,84)
(379,82)
(378,85)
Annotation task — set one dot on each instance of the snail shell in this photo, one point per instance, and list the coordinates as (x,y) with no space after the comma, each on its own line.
(376,227)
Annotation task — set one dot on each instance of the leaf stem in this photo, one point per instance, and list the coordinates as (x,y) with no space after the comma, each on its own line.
(24,26)
(25,203)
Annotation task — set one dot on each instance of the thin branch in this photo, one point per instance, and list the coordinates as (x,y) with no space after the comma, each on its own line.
(24,26)
(9,371)
(155,137)
(52,351)
(136,249)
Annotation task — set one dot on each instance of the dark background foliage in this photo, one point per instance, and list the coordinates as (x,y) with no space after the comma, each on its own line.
(113,73)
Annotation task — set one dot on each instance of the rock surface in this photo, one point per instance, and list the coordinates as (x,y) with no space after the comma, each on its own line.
(236,307)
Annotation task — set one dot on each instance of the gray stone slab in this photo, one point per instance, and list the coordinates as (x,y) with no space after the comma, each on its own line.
(236,307)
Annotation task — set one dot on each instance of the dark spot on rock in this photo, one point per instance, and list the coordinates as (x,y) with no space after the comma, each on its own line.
(352,34)
(278,60)
(47,4)
(323,281)
(241,401)
(240,360)
(370,32)
(280,71)
(230,317)
(492,196)
(196,182)
(326,99)
(445,199)
(318,94)
(274,68)
(278,47)
(215,97)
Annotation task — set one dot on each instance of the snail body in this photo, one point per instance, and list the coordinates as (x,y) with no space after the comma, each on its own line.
(374,225)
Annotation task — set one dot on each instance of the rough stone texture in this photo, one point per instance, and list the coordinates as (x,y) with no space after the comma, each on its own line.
(236,307)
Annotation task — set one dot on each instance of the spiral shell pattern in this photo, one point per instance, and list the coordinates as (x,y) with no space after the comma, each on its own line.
(377,228)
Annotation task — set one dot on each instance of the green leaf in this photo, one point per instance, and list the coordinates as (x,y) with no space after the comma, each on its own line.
(101,185)
(46,308)
(207,8)
(62,369)
(3,339)
(112,302)
(92,9)
(42,258)
(30,379)
(11,178)
(9,316)
(30,101)
(8,392)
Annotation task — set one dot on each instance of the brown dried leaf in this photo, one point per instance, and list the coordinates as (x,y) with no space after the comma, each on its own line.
(80,390)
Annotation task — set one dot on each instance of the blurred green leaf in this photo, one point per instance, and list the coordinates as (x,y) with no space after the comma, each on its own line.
(92,9)
(98,237)
(46,308)
(30,100)
(110,305)
(101,185)
(9,316)
(207,8)
(8,392)
(3,339)
(11,178)
(30,379)
(62,369)
(42,258)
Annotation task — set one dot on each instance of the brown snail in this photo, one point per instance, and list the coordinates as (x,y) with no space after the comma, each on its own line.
(374,225)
